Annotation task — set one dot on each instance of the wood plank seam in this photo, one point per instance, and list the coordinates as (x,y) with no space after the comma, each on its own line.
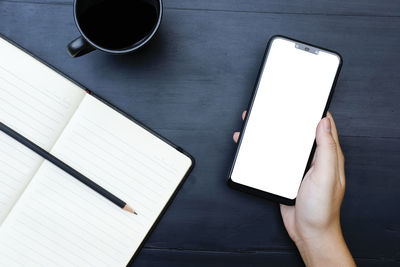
(282,252)
(225,10)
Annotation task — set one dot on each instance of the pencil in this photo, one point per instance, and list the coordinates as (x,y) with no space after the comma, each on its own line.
(65,167)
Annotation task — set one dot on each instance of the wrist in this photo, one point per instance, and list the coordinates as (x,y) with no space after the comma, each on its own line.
(326,248)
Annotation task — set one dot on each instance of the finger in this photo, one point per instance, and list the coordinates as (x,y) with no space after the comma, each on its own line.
(313,160)
(287,213)
(244,114)
(285,209)
(335,133)
(339,149)
(326,152)
(236,136)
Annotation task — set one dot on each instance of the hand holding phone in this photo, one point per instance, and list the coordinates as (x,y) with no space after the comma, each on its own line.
(292,93)
(314,222)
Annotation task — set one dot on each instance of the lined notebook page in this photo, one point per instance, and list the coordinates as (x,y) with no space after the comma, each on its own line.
(121,156)
(17,166)
(59,221)
(35,101)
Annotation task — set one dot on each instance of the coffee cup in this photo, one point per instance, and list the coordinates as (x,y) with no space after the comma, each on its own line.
(114,26)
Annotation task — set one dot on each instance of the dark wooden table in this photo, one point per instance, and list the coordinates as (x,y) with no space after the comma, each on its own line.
(191,85)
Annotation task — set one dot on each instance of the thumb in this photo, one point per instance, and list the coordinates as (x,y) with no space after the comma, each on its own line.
(325,154)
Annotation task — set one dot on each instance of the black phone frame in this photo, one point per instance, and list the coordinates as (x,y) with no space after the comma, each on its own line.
(258,192)
(162,138)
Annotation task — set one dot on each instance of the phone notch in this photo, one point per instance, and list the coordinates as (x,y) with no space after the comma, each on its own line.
(307,48)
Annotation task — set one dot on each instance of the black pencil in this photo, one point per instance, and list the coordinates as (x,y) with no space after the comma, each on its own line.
(74,173)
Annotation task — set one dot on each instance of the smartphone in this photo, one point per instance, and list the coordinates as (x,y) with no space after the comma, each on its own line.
(292,93)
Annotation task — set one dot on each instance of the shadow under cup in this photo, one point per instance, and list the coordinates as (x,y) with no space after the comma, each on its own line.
(114,26)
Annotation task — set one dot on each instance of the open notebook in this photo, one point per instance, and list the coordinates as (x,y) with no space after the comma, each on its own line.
(47,217)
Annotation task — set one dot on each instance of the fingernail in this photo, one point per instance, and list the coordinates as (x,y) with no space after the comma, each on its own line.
(327,125)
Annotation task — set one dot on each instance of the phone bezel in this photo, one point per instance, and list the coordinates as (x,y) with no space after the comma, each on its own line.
(255,191)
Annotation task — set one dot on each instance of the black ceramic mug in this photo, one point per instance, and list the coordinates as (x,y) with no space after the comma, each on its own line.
(114,26)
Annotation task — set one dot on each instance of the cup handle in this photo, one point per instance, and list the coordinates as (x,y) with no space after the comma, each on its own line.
(79,47)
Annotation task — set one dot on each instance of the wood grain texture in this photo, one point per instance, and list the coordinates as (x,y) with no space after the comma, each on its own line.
(323,7)
(191,84)
(215,56)
(182,258)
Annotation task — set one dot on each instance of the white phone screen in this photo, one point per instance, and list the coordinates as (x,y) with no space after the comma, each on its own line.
(292,93)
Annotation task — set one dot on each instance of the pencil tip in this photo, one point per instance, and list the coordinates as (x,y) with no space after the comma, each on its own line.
(129,209)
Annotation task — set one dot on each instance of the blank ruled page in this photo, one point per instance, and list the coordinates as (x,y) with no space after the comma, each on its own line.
(59,221)
(17,166)
(124,158)
(35,101)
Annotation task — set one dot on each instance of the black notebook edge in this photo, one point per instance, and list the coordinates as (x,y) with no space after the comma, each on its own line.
(126,115)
